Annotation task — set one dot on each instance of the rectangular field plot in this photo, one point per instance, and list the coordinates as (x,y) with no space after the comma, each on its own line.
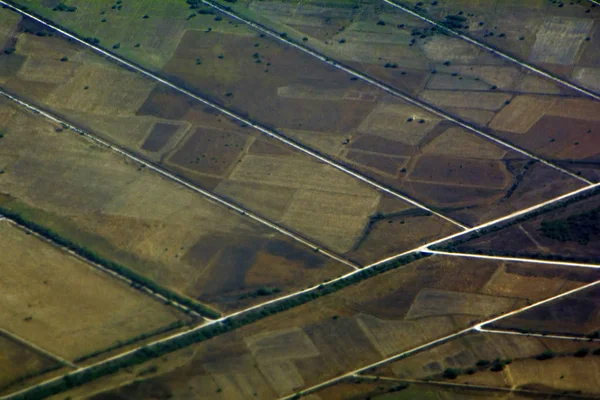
(65,306)
(319,107)
(315,200)
(130,215)
(503,361)
(361,324)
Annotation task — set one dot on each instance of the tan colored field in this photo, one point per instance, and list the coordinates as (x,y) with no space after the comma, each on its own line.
(19,362)
(334,334)
(206,148)
(63,305)
(146,222)
(520,115)
(559,39)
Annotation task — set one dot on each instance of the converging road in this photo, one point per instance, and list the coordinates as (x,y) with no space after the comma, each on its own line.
(540,335)
(513,259)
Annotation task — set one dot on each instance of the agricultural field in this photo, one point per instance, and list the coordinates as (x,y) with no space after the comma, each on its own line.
(561,37)
(498,361)
(236,199)
(569,232)
(369,321)
(320,203)
(68,308)
(150,224)
(459,78)
(404,147)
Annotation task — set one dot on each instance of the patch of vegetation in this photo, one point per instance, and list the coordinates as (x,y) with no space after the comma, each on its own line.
(451,373)
(261,292)
(580,228)
(64,8)
(137,281)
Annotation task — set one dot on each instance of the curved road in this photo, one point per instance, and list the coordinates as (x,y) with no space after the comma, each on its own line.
(237,117)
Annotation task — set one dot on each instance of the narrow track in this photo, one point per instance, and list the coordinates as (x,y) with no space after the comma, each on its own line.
(513,259)
(238,117)
(540,335)
(497,52)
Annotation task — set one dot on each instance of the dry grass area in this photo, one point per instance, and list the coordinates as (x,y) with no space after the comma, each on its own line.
(17,362)
(334,334)
(562,374)
(65,306)
(144,221)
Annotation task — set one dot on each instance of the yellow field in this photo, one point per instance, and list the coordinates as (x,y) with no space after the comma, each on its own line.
(65,306)
(522,113)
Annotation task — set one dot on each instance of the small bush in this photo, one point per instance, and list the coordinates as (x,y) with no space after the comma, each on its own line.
(451,373)
(548,354)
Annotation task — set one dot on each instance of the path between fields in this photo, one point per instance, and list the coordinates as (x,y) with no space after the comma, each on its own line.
(539,335)
(513,259)
(391,90)
(475,328)
(37,349)
(350,274)
(469,386)
(172,177)
(246,121)
(493,50)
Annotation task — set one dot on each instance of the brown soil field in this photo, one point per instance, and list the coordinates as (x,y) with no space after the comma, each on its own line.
(18,362)
(326,337)
(578,315)
(148,223)
(528,238)
(65,306)
(211,151)
(562,374)
(522,113)
(347,113)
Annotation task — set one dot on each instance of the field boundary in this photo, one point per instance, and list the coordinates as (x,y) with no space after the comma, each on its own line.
(251,314)
(495,51)
(111,268)
(474,387)
(389,89)
(37,349)
(212,197)
(434,343)
(138,68)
